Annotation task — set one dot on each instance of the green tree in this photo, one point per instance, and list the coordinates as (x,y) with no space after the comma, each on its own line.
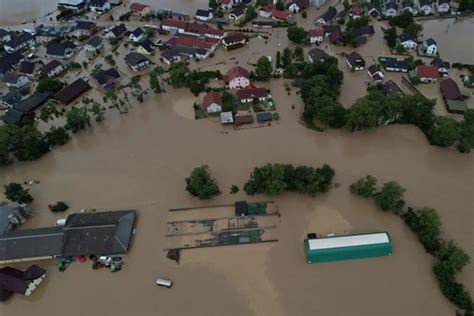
(354,23)
(391,37)
(56,136)
(452,258)
(364,187)
(234,189)
(413,28)
(363,115)
(269,179)
(402,20)
(16,193)
(278,60)
(466,140)
(304,15)
(200,183)
(445,131)
(426,224)
(298,53)
(228,102)
(280,5)
(213,4)
(178,72)
(286,58)
(390,198)
(98,111)
(466,5)
(155,83)
(49,84)
(27,143)
(264,68)
(77,119)
(59,207)
(250,14)
(296,34)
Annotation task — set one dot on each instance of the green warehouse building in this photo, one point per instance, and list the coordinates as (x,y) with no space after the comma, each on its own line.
(348,247)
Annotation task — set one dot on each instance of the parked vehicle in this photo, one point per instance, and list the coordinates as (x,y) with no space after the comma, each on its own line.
(164,282)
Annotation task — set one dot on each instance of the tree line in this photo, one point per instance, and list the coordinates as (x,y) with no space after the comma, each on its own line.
(426,224)
(181,76)
(320,84)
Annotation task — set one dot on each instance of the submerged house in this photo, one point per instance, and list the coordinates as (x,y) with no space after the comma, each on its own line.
(71,92)
(16,281)
(137,61)
(327,16)
(317,54)
(212,102)
(237,77)
(355,61)
(350,247)
(452,96)
(83,234)
(107,79)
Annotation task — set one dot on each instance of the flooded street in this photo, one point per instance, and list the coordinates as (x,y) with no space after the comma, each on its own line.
(140,160)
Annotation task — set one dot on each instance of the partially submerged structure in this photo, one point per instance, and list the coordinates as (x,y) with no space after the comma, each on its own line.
(337,248)
(16,281)
(97,233)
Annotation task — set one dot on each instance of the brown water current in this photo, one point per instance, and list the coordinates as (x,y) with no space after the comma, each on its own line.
(139,160)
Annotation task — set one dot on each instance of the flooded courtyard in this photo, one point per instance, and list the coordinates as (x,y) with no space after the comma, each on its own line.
(140,160)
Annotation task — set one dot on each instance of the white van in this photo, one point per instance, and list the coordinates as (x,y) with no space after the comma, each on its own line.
(164,282)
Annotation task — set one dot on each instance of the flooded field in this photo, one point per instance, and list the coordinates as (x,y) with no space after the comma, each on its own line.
(140,160)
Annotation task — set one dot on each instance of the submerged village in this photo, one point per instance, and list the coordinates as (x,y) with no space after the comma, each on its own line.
(140,141)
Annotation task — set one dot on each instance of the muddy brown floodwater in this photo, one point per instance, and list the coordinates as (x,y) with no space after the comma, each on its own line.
(139,160)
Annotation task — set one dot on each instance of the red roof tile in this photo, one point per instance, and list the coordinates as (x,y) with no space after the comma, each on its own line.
(316,33)
(175,23)
(356,9)
(426,72)
(281,15)
(235,72)
(210,98)
(268,8)
(138,7)
(251,92)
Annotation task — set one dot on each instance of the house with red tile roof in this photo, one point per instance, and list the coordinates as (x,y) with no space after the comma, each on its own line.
(225,4)
(280,15)
(237,77)
(140,9)
(173,26)
(427,74)
(212,102)
(250,93)
(316,36)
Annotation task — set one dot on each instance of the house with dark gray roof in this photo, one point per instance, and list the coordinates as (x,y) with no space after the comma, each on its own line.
(391,9)
(71,92)
(16,281)
(9,62)
(170,56)
(107,78)
(408,41)
(373,10)
(426,6)
(27,68)
(442,65)
(84,234)
(13,215)
(137,35)
(137,61)
(408,6)
(430,46)
(355,61)
(317,54)
(85,28)
(19,41)
(390,88)
(394,65)
(94,44)
(51,69)
(60,50)
(327,16)
(14,97)
(32,103)
(99,6)
(117,31)
(14,80)
(146,47)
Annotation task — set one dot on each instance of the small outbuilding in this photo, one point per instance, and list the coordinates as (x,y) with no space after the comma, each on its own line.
(337,248)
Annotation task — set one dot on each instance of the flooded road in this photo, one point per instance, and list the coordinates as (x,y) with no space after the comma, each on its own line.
(139,160)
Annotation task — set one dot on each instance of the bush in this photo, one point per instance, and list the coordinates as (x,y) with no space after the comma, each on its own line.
(274,179)
(58,207)
(234,189)
(200,183)
(304,15)
(16,193)
(426,224)
(364,187)
(276,116)
(390,198)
